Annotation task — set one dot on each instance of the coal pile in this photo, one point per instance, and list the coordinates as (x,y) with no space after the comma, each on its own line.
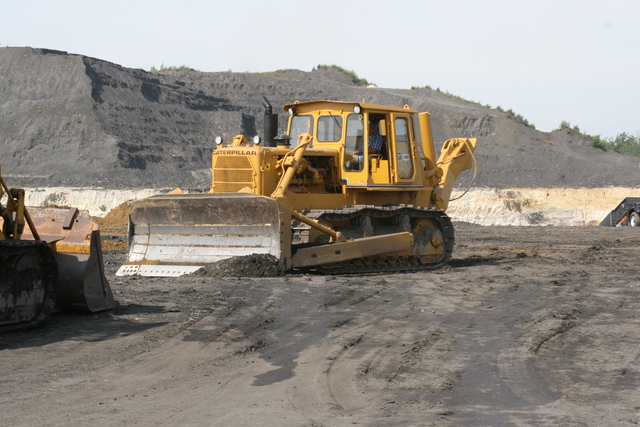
(72,120)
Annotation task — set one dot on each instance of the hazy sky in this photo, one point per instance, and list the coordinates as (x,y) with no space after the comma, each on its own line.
(548,60)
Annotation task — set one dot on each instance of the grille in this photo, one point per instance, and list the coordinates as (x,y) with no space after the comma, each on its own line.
(232,173)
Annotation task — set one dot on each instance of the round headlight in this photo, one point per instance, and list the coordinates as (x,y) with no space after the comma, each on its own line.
(292,111)
(218,140)
(356,109)
(256,140)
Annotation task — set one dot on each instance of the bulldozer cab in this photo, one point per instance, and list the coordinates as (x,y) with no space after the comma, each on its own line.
(377,148)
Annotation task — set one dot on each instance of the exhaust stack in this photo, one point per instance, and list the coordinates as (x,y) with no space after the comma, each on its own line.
(270,124)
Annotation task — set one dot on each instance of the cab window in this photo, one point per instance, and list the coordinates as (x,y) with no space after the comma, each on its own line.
(300,125)
(355,132)
(403,149)
(329,128)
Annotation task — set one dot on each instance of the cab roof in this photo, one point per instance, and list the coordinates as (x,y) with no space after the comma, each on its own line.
(308,106)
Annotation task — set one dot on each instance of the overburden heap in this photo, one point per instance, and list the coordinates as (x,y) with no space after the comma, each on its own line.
(72,120)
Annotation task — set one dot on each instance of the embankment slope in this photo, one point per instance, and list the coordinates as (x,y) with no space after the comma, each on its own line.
(73,120)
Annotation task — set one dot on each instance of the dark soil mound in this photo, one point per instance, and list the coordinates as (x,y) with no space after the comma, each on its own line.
(79,121)
(255,265)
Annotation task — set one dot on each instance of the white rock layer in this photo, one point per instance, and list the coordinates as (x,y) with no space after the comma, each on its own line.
(519,206)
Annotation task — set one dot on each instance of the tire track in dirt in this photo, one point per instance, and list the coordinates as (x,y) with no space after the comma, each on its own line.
(500,371)
(354,371)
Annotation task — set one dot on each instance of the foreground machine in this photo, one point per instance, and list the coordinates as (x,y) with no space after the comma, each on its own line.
(314,198)
(49,257)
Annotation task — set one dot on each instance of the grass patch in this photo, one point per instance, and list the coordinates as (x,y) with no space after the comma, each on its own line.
(517,117)
(351,74)
(170,68)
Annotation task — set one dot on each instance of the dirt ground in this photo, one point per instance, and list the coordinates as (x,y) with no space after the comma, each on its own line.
(526,326)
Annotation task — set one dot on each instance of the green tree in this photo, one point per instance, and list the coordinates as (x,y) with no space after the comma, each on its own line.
(626,144)
(623,143)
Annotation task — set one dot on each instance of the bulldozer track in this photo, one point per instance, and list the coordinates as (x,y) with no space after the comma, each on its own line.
(378,264)
(16,282)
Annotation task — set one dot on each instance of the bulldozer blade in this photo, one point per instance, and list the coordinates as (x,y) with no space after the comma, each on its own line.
(175,234)
(82,285)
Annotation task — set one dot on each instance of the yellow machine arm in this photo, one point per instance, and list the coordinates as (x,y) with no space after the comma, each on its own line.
(456,156)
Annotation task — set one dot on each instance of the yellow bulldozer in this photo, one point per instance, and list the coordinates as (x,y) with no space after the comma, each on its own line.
(350,187)
(50,259)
